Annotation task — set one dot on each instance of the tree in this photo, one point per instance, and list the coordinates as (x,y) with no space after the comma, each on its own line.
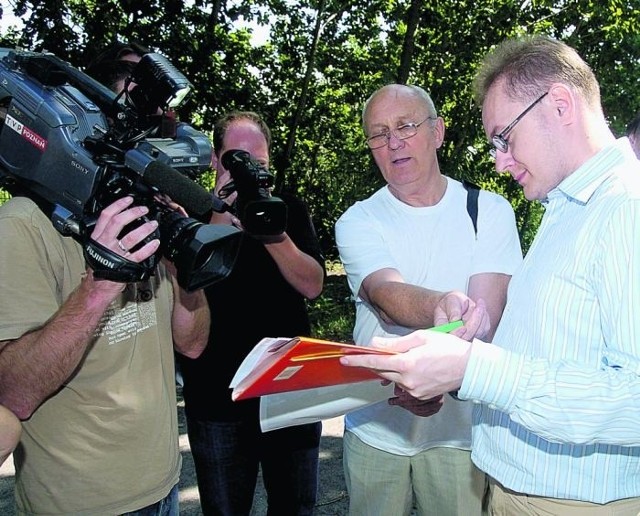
(325,57)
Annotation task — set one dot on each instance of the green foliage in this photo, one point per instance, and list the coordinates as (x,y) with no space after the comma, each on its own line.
(4,196)
(332,314)
(324,58)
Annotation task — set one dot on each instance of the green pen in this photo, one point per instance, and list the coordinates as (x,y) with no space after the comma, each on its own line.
(446,328)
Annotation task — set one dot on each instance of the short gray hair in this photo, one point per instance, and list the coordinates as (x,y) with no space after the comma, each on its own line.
(416,91)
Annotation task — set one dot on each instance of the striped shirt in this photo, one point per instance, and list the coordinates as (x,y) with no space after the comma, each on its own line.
(558,393)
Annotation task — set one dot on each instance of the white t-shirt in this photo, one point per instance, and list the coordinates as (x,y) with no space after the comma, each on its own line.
(434,247)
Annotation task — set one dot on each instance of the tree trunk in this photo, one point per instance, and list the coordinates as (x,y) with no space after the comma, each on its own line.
(302,101)
(408,45)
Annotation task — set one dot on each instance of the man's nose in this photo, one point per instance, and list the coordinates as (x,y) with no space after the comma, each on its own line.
(504,161)
(394,142)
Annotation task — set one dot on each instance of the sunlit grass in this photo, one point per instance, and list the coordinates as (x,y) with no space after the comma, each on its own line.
(332,314)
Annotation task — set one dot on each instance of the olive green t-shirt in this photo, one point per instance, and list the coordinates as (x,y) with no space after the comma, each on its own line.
(107,441)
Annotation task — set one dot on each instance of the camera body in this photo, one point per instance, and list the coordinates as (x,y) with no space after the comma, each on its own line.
(74,146)
(259,212)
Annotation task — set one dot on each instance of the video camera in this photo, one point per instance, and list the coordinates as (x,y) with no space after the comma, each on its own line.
(74,146)
(259,212)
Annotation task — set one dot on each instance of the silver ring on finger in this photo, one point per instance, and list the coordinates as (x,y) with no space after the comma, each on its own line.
(122,247)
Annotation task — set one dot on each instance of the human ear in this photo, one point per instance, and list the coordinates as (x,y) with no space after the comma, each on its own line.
(439,131)
(564,102)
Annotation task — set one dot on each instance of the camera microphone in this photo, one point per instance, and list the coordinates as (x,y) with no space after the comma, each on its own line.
(187,193)
(95,163)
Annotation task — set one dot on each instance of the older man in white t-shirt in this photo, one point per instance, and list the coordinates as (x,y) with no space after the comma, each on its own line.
(404,248)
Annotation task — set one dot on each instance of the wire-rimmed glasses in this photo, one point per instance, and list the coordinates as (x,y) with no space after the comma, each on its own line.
(402,132)
(499,141)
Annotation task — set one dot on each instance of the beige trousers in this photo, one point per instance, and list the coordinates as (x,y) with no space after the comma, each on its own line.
(504,502)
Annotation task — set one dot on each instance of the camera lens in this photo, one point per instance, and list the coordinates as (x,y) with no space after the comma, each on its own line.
(202,253)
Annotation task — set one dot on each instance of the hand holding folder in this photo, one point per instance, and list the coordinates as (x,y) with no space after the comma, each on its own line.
(290,364)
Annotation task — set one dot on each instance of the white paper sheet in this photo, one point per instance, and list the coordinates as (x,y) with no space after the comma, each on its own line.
(311,405)
(254,357)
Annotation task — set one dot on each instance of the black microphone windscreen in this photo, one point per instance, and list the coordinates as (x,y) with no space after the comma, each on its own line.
(188,194)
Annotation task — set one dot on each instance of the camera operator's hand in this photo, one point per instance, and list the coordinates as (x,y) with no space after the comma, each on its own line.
(112,221)
(107,234)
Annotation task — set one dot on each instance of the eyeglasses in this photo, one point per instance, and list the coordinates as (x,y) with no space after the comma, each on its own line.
(499,140)
(401,132)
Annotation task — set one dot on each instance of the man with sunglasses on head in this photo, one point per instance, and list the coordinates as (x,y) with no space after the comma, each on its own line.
(406,248)
(87,361)
(557,393)
(114,65)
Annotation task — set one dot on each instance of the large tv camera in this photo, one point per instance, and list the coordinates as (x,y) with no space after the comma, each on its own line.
(74,146)
(259,212)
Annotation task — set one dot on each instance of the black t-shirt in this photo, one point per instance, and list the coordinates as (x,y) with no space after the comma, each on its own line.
(253,302)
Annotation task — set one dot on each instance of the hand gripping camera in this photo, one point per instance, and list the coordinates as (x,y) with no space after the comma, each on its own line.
(74,146)
(259,212)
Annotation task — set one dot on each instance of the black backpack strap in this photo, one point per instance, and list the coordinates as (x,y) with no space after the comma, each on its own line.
(472,202)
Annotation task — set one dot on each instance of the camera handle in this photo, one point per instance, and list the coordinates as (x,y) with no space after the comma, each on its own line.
(111,266)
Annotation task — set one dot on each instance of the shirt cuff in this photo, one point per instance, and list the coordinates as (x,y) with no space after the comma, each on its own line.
(491,376)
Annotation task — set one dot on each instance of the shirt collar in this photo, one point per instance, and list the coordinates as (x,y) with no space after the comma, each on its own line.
(581,184)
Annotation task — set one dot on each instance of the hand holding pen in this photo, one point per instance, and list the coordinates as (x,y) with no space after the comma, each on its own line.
(428,363)
(458,306)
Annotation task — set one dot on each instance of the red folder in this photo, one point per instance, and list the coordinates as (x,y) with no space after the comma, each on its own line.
(284,364)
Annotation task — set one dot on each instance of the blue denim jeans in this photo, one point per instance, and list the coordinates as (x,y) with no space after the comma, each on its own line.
(227,457)
(168,506)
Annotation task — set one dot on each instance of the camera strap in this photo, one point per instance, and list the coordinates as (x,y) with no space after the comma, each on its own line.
(111,266)
(219,206)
